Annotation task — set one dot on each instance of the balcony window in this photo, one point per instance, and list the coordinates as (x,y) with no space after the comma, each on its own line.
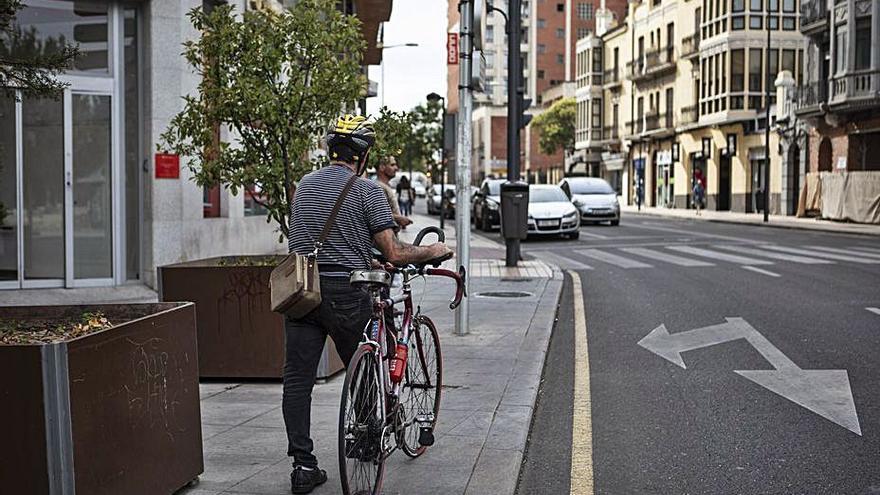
(738,22)
(597,61)
(788,61)
(756,22)
(596,118)
(756,5)
(789,23)
(840,50)
(755,72)
(788,6)
(582,32)
(585,11)
(773,5)
(737,70)
(773,22)
(863,44)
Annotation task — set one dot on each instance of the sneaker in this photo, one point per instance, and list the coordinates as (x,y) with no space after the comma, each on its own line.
(304,480)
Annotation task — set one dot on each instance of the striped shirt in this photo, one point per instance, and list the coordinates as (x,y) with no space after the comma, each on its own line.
(364,212)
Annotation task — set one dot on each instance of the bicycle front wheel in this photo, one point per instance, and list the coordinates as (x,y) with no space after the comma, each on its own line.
(361,423)
(420,395)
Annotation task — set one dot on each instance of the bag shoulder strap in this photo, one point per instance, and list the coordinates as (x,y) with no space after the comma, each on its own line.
(335,211)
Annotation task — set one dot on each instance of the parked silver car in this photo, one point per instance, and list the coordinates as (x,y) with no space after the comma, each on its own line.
(594,198)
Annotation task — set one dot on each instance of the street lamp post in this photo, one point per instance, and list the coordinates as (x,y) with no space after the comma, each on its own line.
(434,98)
(767,81)
(384,47)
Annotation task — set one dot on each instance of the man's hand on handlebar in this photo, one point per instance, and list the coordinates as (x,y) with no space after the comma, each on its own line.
(401,253)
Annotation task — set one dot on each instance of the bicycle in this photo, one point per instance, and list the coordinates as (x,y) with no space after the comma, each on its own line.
(391,399)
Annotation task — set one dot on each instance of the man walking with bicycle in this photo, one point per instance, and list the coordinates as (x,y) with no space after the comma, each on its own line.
(363,219)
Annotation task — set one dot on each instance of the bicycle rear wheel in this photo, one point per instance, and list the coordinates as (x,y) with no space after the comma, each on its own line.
(420,394)
(361,422)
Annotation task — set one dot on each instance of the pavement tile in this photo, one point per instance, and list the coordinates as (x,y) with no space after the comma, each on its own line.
(510,428)
(209,389)
(232,414)
(476,424)
(496,471)
(257,444)
(209,431)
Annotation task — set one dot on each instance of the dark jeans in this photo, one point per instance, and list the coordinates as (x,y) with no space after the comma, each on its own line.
(343,314)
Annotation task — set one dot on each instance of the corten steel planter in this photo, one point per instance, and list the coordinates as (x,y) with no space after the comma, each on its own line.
(116,411)
(239,335)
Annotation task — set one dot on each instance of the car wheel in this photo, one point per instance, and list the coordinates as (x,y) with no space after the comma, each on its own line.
(485,226)
(615,223)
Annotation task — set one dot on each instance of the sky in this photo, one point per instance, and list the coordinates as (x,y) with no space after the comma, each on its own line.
(412,72)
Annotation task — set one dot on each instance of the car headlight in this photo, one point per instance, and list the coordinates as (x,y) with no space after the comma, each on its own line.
(491,205)
(570,215)
(578,203)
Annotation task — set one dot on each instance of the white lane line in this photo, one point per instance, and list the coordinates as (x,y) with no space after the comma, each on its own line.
(876,311)
(611,258)
(669,258)
(821,254)
(563,262)
(762,271)
(739,260)
(850,252)
(867,249)
(581,419)
(594,236)
(778,256)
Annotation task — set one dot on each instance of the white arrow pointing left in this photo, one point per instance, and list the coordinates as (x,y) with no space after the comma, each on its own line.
(824,392)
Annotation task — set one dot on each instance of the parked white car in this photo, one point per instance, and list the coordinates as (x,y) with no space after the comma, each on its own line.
(551,212)
(419,182)
(594,198)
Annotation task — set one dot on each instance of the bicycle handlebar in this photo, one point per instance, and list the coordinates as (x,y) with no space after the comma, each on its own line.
(460,278)
(441,236)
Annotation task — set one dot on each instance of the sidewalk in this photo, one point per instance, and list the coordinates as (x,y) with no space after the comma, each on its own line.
(490,382)
(777,221)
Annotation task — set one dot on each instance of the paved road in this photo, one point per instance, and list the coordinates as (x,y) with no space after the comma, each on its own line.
(670,423)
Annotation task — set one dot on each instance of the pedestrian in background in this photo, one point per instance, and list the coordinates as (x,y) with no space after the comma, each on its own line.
(405,196)
(386,171)
(699,194)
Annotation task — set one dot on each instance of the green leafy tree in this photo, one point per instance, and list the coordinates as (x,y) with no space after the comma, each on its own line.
(28,64)
(275,81)
(393,133)
(556,126)
(422,149)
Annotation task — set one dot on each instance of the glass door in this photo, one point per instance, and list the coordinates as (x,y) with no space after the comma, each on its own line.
(89,191)
(8,193)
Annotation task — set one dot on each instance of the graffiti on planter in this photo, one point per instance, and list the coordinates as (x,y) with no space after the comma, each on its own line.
(155,385)
(242,299)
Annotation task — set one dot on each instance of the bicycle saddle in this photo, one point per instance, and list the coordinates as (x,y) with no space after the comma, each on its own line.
(370,277)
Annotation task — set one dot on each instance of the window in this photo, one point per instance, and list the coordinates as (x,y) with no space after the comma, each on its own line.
(788,6)
(596,119)
(560,58)
(490,33)
(773,5)
(582,32)
(738,23)
(585,11)
(737,70)
(756,22)
(560,33)
(755,72)
(788,23)
(840,50)
(773,22)
(560,7)
(541,48)
(597,61)
(669,106)
(788,61)
(756,5)
(254,201)
(541,23)
(863,44)
(540,74)
(490,60)
(211,201)
(774,70)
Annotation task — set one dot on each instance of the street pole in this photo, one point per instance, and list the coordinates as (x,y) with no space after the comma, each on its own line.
(463,153)
(767,125)
(514,81)
(443,166)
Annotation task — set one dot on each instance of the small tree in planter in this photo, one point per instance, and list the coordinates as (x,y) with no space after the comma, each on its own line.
(556,127)
(275,81)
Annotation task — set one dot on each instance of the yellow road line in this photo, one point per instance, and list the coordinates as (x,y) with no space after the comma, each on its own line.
(582,422)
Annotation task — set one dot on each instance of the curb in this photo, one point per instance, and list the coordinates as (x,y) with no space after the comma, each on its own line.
(842,228)
(497,469)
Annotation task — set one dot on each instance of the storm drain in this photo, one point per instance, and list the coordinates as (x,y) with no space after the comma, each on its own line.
(504,294)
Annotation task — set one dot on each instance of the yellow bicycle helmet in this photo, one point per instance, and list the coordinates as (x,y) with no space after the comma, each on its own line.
(351,138)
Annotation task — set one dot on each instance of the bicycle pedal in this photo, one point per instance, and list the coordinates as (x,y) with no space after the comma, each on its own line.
(426,436)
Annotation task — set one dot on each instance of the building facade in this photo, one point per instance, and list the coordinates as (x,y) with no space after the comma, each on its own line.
(683,100)
(85,199)
(840,95)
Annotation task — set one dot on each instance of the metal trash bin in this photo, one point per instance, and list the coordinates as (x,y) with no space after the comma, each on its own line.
(514,210)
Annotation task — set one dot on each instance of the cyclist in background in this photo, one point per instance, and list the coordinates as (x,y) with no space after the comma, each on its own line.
(364,219)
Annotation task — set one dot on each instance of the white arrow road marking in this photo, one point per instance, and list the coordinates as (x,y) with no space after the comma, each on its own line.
(876,311)
(824,392)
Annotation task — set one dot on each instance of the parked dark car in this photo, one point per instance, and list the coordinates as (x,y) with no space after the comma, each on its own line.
(487,205)
(594,198)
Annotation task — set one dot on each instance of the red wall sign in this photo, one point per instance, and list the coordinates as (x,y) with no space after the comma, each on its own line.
(452,48)
(167,166)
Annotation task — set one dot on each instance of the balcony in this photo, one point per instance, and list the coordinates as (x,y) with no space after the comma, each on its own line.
(689,115)
(814,16)
(611,133)
(655,64)
(690,46)
(810,96)
(612,78)
(856,88)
